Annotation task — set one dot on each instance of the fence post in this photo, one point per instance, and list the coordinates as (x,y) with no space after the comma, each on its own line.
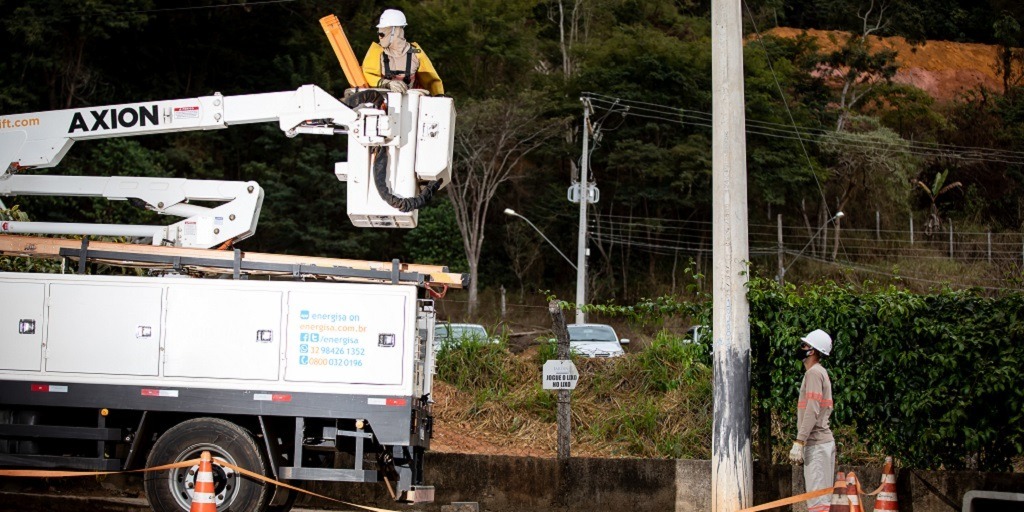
(911,229)
(782,269)
(990,247)
(502,302)
(951,239)
(878,225)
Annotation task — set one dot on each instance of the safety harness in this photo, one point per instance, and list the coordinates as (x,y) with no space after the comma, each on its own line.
(410,77)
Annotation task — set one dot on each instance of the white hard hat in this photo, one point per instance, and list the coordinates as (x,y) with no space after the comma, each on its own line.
(819,340)
(392,18)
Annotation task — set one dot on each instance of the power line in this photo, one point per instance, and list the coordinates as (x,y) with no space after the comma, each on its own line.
(840,139)
(248,3)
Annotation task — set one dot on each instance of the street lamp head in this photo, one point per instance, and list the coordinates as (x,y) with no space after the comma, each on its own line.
(510,211)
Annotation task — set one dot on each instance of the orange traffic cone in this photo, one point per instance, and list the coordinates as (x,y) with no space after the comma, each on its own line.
(840,502)
(887,495)
(203,494)
(852,492)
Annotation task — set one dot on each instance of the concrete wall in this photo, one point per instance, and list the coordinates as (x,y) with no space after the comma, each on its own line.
(501,483)
(506,484)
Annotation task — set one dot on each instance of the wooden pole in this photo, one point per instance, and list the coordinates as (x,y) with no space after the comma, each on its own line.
(951,239)
(564,413)
(782,269)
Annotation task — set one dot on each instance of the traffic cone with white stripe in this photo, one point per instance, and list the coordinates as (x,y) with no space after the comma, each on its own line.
(887,495)
(853,492)
(840,502)
(203,499)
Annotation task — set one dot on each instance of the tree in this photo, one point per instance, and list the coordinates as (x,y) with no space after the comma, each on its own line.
(522,254)
(1007,32)
(873,165)
(937,189)
(855,67)
(492,140)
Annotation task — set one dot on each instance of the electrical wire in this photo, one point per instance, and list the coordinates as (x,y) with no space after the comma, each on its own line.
(839,139)
(778,127)
(247,3)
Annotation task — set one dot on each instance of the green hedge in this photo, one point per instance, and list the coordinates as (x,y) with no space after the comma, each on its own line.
(936,380)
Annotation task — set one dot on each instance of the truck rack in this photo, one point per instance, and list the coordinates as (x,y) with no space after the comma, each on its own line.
(239,264)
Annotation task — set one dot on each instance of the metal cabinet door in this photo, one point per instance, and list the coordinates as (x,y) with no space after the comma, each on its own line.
(223,334)
(350,337)
(21,326)
(108,329)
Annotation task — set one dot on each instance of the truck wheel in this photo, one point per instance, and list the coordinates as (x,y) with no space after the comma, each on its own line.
(171,490)
(287,503)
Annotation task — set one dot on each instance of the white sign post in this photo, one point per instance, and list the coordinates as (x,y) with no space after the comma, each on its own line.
(560,374)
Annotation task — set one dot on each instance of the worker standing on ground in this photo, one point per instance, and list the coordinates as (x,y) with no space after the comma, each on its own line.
(815,447)
(397,64)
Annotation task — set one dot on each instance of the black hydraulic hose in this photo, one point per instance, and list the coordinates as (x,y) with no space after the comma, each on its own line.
(374,97)
(402,204)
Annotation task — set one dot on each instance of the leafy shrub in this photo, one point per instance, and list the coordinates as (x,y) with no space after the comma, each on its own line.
(933,379)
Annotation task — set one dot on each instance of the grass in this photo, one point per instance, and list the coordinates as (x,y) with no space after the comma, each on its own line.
(653,403)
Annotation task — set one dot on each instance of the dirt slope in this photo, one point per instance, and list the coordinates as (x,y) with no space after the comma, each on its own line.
(941,68)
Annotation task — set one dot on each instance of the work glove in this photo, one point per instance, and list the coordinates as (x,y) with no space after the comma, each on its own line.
(796,455)
(393,85)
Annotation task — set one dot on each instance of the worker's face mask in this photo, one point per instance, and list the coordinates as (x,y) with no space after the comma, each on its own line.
(802,352)
(391,35)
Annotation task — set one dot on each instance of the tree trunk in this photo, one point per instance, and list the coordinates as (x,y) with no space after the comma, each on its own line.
(474,272)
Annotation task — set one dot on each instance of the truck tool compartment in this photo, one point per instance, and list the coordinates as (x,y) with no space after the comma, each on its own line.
(305,380)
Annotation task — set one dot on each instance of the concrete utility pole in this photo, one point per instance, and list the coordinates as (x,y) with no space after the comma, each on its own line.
(732,481)
(581,251)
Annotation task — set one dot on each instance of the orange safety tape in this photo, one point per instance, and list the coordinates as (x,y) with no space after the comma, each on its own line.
(257,476)
(790,500)
(872,493)
(806,496)
(41,473)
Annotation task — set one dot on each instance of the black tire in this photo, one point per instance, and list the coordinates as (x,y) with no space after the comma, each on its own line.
(289,501)
(170,491)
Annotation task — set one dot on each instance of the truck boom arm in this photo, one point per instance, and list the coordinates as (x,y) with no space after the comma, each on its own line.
(42,139)
(233,220)
(411,132)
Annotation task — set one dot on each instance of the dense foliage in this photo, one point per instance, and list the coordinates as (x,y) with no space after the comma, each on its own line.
(929,378)
(644,64)
(932,379)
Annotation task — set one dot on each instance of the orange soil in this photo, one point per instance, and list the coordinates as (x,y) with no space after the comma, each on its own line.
(941,68)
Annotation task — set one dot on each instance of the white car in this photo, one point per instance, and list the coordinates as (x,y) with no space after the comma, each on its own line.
(595,340)
(454,334)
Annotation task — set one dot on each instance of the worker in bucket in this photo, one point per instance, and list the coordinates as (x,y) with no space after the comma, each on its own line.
(814,446)
(396,64)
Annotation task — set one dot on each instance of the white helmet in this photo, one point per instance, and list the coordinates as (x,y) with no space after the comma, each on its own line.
(820,340)
(392,18)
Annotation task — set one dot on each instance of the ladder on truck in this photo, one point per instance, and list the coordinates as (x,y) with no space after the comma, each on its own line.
(239,264)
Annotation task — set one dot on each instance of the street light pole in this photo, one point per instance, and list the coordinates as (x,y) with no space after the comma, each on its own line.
(510,211)
(581,246)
